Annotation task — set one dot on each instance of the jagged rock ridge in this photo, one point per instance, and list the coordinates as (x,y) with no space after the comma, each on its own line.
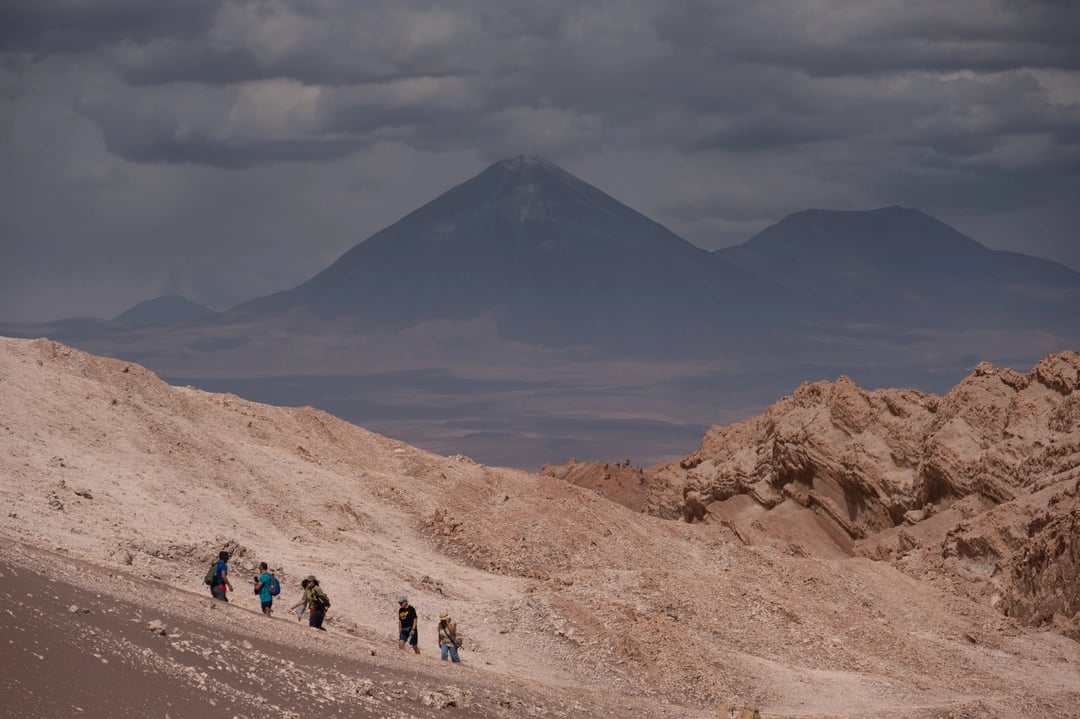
(983,482)
(877,464)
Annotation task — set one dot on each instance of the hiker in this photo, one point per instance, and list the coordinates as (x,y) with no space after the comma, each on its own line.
(301,607)
(449,641)
(318,603)
(263,589)
(221,583)
(316,600)
(407,624)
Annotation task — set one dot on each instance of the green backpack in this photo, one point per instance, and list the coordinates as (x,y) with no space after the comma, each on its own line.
(211,575)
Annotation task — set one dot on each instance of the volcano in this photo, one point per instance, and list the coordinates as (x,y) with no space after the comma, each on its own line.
(552,259)
(899,267)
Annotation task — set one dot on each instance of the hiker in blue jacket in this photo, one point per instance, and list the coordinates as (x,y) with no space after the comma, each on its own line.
(221,578)
(262,585)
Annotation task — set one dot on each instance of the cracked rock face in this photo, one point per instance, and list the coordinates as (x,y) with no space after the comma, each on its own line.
(870,458)
(856,455)
(1045,573)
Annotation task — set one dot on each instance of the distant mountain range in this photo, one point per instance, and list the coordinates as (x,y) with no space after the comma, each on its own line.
(525,316)
(163,311)
(897,266)
(553,260)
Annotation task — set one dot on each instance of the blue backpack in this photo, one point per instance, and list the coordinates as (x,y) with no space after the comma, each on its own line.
(275,586)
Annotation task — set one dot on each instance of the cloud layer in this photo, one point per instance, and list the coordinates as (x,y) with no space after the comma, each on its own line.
(223,149)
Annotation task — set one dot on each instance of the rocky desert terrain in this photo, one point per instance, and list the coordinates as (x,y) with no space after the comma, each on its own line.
(847,553)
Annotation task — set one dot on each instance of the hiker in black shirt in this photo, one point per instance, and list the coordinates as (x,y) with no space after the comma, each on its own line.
(407,624)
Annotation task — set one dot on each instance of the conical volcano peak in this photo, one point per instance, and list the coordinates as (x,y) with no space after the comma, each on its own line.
(524,161)
(529,188)
(547,255)
(531,170)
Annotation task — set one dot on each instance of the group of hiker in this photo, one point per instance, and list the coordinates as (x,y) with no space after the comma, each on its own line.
(315,602)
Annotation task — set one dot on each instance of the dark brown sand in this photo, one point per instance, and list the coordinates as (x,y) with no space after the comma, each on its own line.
(72,651)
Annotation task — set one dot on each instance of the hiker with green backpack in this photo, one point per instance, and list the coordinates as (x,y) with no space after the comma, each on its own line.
(316,600)
(217,577)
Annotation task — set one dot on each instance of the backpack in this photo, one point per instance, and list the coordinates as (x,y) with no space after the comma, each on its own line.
(453,637)
(211,575)
(322,600)
(275,586)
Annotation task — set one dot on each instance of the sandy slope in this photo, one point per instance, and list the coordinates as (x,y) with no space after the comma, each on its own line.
(556,588)
(89,641)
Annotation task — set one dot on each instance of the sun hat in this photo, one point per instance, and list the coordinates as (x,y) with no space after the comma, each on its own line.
(402,598)
(444,614)
(310,577)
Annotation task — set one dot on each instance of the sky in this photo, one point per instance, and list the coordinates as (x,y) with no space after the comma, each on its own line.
(226,149)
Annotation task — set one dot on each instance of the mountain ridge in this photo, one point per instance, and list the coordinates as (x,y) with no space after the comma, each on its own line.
(553,259)
(902,267)
(163,310)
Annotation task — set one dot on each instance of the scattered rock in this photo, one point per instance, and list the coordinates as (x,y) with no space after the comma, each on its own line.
(362,687)
(438,700)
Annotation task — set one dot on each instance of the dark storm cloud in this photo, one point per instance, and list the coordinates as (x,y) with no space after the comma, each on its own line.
(821,37)
(74,26)
(327,43)
(157,131)
(731,77)
(229,156)
(212,65)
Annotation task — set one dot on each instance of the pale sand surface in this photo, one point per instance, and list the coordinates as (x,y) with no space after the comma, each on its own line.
(572,605)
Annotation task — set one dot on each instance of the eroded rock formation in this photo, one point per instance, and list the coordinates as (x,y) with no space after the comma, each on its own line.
(981,483)
(868,460)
